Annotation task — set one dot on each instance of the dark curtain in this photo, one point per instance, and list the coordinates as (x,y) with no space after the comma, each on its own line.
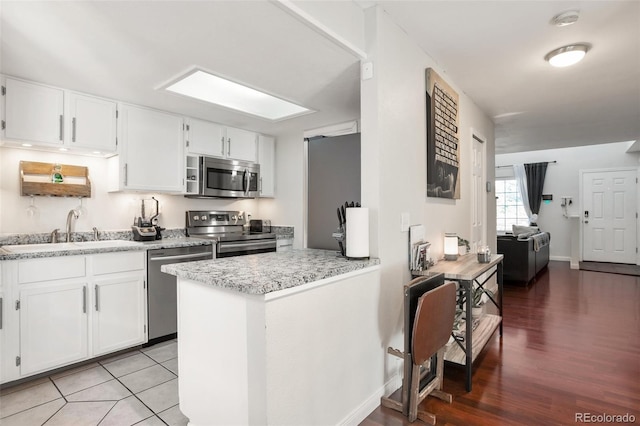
(535,183)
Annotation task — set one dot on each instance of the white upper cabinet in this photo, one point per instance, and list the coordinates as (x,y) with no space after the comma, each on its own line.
(205,138)
(33,113)
(92,123)
(46,116)
(152,155)
(241,145)
(215,140)
(266,159)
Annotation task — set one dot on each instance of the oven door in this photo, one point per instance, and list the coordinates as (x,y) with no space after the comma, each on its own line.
(244,247)
(229,178)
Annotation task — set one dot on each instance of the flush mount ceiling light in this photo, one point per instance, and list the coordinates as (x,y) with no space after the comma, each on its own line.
(567,55)
(210,88)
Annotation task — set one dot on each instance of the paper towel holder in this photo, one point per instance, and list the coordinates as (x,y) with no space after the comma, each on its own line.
(357,233)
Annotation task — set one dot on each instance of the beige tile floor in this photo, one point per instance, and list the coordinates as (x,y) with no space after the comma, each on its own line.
(139,387)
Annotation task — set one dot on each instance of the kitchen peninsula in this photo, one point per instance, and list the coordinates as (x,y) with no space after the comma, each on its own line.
(277,338)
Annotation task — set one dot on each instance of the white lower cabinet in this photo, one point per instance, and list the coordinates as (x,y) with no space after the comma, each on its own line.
(53,326)
(70,314)
(119,314)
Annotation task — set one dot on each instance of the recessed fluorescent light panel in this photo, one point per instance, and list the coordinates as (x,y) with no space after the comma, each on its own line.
(217,90)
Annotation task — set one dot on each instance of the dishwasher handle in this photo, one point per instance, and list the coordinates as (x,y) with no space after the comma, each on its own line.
(202,256)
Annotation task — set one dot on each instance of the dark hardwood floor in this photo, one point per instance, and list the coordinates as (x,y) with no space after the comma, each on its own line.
(571,345)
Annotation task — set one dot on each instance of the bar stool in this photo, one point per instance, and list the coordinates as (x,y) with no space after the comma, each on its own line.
(432,325)
(431,331)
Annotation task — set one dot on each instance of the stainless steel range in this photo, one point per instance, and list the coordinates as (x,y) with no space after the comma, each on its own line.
(227,229)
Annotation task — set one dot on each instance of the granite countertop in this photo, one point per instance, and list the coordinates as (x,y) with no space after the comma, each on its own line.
(268,272)
(72,249)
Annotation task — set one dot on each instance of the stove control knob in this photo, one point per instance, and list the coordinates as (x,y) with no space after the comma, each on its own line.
(234,217)
(240,217)
(203,217)
(196,217)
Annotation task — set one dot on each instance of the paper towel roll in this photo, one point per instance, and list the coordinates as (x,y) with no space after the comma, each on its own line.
(357,232)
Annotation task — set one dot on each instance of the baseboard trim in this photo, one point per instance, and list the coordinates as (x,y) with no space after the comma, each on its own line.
(560,258)
(360,413)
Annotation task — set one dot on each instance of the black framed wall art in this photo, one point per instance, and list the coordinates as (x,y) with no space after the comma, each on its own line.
(443,140)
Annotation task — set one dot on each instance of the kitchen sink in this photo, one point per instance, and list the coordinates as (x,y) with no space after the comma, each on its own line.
(80,245)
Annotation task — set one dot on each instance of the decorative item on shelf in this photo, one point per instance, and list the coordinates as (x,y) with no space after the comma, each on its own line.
(421,259)
(47,179)
(56,175)
(463,243)
(450,246)
(484,254)
(476,300)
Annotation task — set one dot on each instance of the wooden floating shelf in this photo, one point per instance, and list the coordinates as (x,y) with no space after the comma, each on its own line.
(35,179)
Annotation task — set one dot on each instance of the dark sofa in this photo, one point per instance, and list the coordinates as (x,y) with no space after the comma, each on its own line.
(521,261)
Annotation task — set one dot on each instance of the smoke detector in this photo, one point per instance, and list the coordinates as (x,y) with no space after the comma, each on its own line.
(565,18)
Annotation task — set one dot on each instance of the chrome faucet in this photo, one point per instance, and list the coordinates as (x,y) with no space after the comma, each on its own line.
(73,214)
(54,236)
(96,235)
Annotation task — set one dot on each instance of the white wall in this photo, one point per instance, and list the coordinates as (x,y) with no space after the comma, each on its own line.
(562,179)
(106,211)
(394,162)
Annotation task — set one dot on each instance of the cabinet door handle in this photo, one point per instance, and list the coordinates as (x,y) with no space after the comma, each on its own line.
(126,174)
(228,147)
(222,151)
(1,311)
(261,185)
(62,127)
(84,299)
(73,129)
(97,291)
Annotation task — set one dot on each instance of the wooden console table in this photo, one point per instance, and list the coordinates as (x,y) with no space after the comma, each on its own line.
(466,271)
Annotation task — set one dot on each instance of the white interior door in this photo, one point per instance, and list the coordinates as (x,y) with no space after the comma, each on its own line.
(609,216)
(479,198)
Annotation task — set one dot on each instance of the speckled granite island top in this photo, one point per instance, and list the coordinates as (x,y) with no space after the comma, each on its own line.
(268,272)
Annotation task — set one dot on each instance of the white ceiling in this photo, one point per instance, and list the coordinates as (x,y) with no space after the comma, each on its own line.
(124,50)
(492,50)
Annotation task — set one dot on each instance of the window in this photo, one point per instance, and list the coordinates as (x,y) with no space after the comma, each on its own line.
(509,207)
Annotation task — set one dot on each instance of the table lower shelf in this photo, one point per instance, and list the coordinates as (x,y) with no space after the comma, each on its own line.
(481,335)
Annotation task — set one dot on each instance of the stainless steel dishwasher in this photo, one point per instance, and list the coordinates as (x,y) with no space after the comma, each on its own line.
(162,292)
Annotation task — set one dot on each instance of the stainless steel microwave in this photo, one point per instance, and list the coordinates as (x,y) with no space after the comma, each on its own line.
(226,178)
